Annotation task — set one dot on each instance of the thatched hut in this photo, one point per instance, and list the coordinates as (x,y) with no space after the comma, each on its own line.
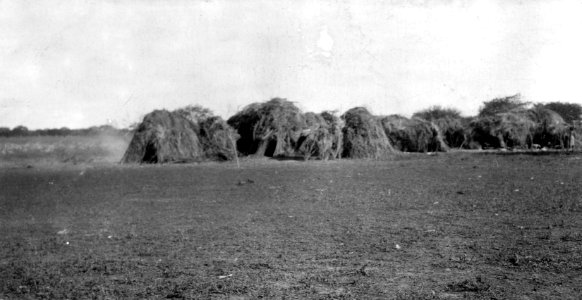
(270,129)
(363,135)
(551,129)
(483,134)
(520,128)
(164,137)
(512,129)
(323,136)
(449,121)
(218,139)
(413,135)
(454,130)
(167,137)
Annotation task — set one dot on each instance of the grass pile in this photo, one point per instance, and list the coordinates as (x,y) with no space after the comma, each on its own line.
(413,135)
(450,123)
(508,129)
(520,128)
(278,128)
(164,137)
(551,130)
(322,138)
(454,130)
(217,137)
(516,129)
(170,137)
(272,128)
(363,135)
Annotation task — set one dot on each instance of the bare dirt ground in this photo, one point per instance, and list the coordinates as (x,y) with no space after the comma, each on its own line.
(55,151)
(449,226)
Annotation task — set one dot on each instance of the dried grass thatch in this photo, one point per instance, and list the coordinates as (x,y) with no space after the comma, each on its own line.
(521,128)
(364,136)
(218,139)
(450,123)
(574,136)
(166,137)
(509,129)
(453,130)
(272,128)
(413,135)
(551,130)
(322,138)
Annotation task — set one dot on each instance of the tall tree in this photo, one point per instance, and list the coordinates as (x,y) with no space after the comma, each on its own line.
(4,131)
(20,131)
(500,105)
(568,111)
(195,113)
(437,112)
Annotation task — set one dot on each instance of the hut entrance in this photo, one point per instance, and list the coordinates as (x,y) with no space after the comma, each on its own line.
(271,147)
(150,155)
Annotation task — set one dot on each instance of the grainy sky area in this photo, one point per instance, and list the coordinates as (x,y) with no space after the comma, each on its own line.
(83,63)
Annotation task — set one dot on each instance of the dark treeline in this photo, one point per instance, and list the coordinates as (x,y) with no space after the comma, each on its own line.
(64,131)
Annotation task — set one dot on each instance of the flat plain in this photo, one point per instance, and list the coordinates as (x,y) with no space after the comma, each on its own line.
(446,226)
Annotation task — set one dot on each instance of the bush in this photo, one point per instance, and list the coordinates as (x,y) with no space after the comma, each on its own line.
(501,105)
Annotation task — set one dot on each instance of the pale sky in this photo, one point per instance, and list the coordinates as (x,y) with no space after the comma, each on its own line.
(83,63)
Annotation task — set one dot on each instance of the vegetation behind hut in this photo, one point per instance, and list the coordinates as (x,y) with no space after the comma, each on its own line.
(502,105)
(437,112)
(195,113)
(570,112)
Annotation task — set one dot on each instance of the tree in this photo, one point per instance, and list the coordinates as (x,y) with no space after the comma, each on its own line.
(437,112)
(502,105)
(570,112)
(63,131)
(106,128)
(20,131)
(4,131)
(195,113)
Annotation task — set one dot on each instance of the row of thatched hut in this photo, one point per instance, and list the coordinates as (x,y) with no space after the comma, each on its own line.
(278,128)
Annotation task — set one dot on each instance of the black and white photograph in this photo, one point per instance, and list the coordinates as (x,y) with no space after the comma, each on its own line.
(279,149)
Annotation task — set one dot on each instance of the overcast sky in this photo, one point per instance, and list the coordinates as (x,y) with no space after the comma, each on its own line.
(83,63)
